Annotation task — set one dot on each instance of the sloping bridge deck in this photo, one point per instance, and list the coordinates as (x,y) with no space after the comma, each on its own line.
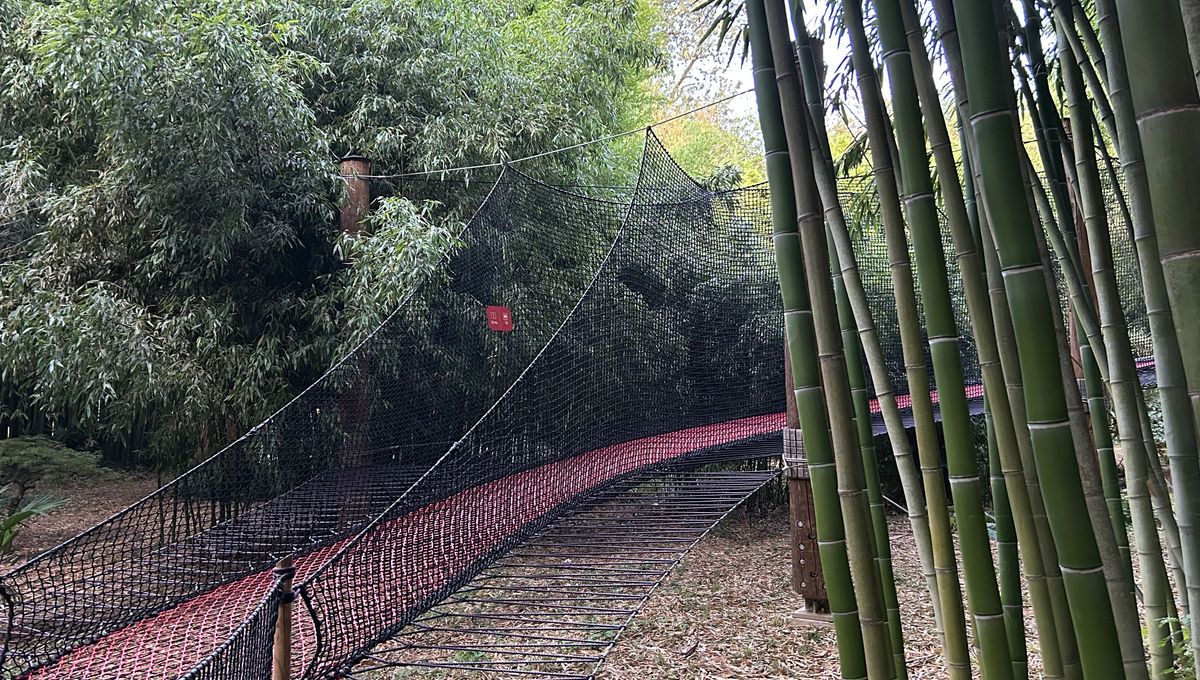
(555,605)
(169,643)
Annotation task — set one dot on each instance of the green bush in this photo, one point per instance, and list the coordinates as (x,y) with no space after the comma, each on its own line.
(26,462)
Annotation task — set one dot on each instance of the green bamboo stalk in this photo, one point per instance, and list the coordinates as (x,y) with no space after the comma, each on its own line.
(1007,346)
(834,378)
(1190,10)
(1055,149)
(858,382)
(802,349)
(1007,342)
(1123,600)
(1007,556)
(993,122)
(956,649)
(1060,226)
(1114,180)
(1123,383)
(868,335)
(866,439)
(965,235)
(1081,304)
(1094,358)
(1065,23)
(1091,41)
(1109,474)
(1167,108)
(983,593)
(1061,230)
(1178,420)
(1094,384)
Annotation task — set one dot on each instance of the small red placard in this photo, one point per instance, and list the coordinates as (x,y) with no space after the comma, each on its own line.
(499,318)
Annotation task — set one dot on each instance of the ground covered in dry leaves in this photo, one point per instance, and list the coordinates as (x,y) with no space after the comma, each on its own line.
(86,505)
(725,613)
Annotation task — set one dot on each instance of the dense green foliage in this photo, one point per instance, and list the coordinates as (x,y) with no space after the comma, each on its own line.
(169,247)
(26,463)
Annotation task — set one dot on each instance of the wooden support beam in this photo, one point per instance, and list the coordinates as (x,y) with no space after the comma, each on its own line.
(807,579)
(281,650)
(358,194)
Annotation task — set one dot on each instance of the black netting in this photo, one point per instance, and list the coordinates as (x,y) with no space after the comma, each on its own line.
(644,331)
(330,461)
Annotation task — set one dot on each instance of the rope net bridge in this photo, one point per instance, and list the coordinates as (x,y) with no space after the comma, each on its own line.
(569,344)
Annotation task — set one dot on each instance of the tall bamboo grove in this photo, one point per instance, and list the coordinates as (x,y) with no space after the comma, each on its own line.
(1062,474)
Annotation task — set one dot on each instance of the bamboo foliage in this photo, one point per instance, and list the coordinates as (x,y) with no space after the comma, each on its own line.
(1061,483)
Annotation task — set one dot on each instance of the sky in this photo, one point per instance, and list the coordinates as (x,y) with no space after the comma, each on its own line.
(715,76)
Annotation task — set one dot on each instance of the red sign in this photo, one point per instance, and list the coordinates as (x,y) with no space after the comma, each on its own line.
(499,318)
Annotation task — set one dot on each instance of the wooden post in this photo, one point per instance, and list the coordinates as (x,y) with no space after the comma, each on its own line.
(281,651)
(807,579)
(358,193)
(354,400)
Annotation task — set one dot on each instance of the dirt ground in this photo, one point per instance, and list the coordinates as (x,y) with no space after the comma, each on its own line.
(724,613)
(86,505)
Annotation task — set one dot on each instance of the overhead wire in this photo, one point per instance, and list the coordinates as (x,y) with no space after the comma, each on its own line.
(580,145)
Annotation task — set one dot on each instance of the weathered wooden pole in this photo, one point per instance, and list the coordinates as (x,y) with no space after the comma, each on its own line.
(807,579)
(355,407)
(354,170)
(281,650)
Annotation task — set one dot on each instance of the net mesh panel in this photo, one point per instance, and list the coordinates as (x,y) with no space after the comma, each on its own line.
(645,330)
(1125,266)
(627,382)
(330,461)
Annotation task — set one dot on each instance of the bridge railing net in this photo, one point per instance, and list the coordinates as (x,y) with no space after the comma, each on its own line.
(674,349)
(330,461)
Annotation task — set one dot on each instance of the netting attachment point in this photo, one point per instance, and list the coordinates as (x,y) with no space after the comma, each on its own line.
(795,459)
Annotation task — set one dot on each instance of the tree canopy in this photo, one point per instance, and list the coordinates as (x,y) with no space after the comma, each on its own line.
(169,245)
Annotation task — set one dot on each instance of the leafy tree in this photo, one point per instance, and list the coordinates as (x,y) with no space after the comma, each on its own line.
(26,462)
(168,237)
